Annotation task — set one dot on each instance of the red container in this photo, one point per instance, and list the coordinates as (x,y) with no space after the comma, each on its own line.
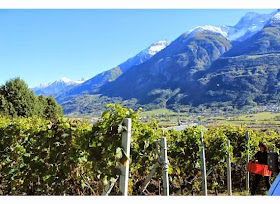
(260,169)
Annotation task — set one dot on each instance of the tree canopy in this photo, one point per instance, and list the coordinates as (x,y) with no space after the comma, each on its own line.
(17,100)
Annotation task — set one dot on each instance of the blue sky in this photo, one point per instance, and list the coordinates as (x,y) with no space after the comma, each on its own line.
(44,45)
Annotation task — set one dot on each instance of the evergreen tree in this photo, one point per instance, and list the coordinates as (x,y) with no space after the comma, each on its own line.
(3,106)
(21,99)
(16,99)
(41,105)
(52,109)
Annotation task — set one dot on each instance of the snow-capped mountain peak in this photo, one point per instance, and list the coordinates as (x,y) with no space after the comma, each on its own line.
(56,87)
(69,81)
(207,28)
(275,18)
(64,79)
(156,47)
(247,26)
(144,55)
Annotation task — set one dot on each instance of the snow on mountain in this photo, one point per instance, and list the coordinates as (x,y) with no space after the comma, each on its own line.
(43,85)
(275,18)
(82,80)
(156,47)
(69,81)
(144,55)
(207,28)
(56,87)
(65,80)
(248,25)
(92,85)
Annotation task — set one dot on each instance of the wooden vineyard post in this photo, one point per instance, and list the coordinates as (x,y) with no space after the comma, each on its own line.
(203,166)
(229,184)
(164,167)
(247,162)
(126,147)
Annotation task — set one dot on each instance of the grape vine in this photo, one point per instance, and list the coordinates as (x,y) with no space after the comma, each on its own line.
(71,157)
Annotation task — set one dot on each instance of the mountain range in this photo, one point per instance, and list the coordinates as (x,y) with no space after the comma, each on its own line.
(210,65)
(56,88)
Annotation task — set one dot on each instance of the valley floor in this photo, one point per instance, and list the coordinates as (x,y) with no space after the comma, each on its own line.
(260,120)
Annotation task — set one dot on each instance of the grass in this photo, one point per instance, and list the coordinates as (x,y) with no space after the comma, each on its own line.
(257,120)
(259,116)
(166,117)
(158,111)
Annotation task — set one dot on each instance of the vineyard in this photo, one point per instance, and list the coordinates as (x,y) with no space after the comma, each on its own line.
(71,157)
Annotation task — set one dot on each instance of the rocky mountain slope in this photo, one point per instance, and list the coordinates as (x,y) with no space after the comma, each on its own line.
(211,65)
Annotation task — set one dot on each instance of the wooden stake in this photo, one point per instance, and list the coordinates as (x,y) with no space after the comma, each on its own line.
(229,185)
(126,147)
(203,166)
(247,162)
(164,167)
